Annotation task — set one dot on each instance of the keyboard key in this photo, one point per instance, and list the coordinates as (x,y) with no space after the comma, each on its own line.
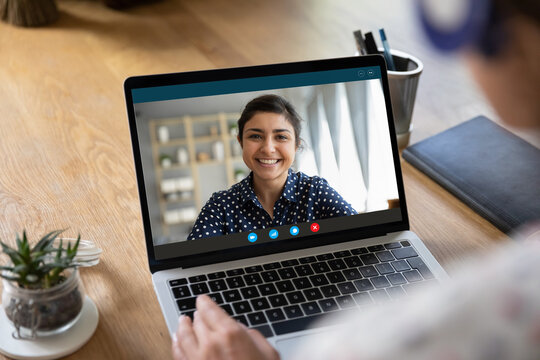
(419,286)
(270,276)
(304,270)
(181,292)
(312,294)
(196,279)
(368,271)
(257,318)
(295,297)
(189,313)
(318,280)
(293,311)
(330,291)
(345,302)
(272,266)
(337,264)
(216,297)
(375,248)
(346,288)
(380,282)
(217,285)
(287,273)
(342,254)
(369,259)
(392,245)
(384,268)
(199,288)
(302,283)
(250,292)
(232,296)
(328,305)
(324,257)
(217,275)
(278,300)
(311,308)
(275,315)
(418,264)
(363,299)
(335,277)
(303,323)
(177,282)
(265,330)
(285,286)
(267,289)
(363,285)
(291,262)
(385,256)
(352,274)
(186,304)
(405,243)
(241,318)
(396,279)
(405,252)
(235,282)
(396,292)
(241,307)
(359,251)
(353,261)
(320,267)
(253,279)
(235,272)
(412,276)
(379,296)
(228,309)
(307,259)
(260,304)
(401,265)
(253,269)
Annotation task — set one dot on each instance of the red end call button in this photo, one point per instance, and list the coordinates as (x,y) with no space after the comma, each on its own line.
(315,227)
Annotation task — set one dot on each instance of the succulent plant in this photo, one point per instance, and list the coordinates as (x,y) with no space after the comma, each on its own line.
(41,266)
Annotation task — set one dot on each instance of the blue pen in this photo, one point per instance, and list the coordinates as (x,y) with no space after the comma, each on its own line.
(387,54)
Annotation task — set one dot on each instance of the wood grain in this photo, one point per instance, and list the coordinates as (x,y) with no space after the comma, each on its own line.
(64,138)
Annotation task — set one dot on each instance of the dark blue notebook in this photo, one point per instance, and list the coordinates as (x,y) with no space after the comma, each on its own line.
(490,169)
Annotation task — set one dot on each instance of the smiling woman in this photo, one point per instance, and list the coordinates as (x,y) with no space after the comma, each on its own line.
(272,194)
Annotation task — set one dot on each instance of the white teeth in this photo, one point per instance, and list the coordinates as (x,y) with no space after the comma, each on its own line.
(264,161)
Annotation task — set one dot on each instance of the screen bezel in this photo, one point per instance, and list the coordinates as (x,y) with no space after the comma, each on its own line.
(251,250)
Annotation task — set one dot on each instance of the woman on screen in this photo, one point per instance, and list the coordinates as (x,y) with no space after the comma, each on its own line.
(273,194)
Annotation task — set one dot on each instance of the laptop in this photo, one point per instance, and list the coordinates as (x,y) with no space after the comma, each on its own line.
(278,274)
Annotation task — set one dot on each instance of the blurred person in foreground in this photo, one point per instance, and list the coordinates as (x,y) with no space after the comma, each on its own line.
(491,307)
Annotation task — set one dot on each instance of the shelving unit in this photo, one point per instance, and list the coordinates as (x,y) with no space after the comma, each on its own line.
(197,134)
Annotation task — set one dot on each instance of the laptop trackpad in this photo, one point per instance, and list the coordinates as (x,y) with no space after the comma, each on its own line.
(287,348)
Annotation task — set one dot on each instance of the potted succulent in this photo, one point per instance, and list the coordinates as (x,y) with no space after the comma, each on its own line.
(42,294)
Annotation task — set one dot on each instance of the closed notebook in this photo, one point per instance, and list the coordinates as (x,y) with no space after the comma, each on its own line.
(490,169)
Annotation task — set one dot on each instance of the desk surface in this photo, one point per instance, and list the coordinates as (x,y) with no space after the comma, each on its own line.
(64,138)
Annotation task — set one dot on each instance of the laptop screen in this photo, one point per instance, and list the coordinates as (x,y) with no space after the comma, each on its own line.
(228,159)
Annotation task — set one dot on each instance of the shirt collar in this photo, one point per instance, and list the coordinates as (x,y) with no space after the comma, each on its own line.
(247,193)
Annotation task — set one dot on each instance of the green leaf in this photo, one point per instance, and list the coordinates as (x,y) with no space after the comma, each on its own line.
(6,268)
(47,240)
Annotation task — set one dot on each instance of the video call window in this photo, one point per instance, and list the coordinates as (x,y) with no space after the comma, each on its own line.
(201,181)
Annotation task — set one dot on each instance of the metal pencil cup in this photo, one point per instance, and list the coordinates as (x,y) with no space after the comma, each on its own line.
(403,84)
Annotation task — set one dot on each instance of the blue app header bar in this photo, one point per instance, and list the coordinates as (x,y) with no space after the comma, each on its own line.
(171,92)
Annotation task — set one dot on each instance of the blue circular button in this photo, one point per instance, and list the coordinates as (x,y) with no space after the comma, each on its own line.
(273,233)
(294,230)
(252,237)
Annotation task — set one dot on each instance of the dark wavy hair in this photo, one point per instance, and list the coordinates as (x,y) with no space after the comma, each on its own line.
(272,104)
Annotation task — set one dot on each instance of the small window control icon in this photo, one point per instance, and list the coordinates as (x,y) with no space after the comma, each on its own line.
(273,233)
(294,230)
(252,237)
(315,227)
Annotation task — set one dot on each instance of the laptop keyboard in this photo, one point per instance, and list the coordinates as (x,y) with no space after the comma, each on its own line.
(287,296)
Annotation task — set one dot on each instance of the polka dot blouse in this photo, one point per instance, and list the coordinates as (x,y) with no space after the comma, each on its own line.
(237,209)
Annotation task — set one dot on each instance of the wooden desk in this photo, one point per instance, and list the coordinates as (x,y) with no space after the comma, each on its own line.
(65,146)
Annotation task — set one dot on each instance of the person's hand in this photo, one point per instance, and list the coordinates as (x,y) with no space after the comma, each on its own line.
(215,335)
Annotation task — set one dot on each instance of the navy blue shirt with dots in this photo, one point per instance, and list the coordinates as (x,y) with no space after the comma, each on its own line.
(237,209)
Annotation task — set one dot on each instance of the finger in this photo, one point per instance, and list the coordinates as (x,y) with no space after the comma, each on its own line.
(263,345)
(186,337)
(211,314)
(176,351)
